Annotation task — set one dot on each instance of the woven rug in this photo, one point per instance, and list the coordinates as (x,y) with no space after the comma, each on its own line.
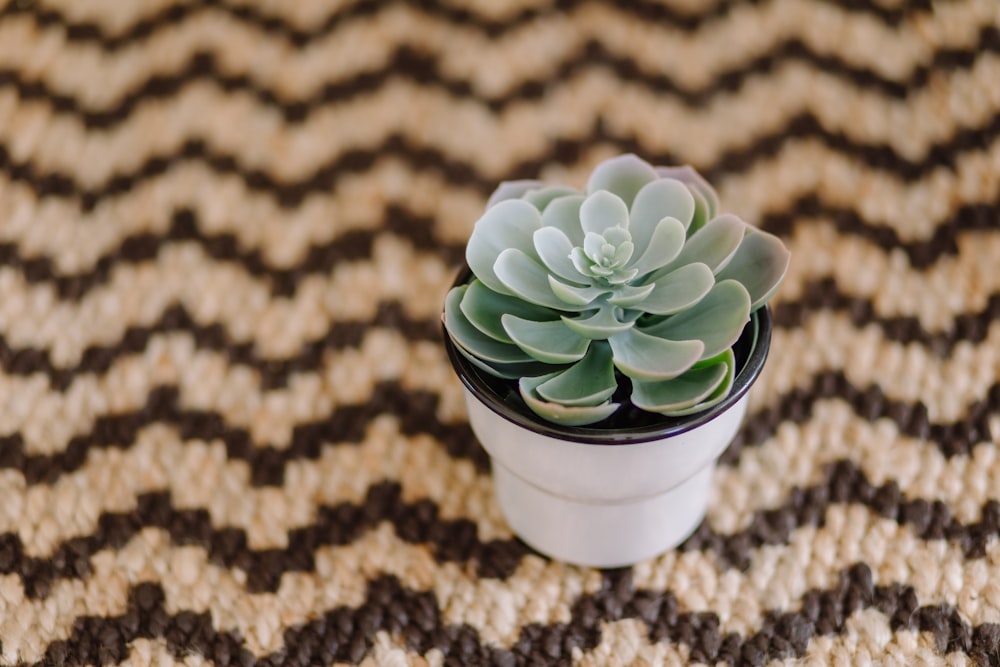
(229,433)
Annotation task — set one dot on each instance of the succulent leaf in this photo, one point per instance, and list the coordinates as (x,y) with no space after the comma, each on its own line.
(696,183)
(541,198)
(717,320)
(512,190)
(759,265)
(508,224)
(602,210)
(662,247)
(618,238)
(549,342)
(701,213)
(623,175)
(590,381)
(662,198)
(628,296)
(690,390)
(681,392)
(680,289)
(483,308)
(562,414)
(471,339)
(575,297)
(511,371)
(600,326)
(564,215)
(594,246)
(524,277)
(642,356)
(704,362)
(718,395)
(555,250)
(713,245)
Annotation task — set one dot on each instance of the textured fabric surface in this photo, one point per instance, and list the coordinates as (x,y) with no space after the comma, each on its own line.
(229,433)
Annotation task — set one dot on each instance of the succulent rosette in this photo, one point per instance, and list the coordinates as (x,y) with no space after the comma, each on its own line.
(638,274)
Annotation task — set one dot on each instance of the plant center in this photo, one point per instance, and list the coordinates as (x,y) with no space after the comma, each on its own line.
(604,256)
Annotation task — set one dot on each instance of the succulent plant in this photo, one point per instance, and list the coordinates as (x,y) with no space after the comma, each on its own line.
(637,274)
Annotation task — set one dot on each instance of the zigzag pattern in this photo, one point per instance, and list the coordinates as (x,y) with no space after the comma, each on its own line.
(418,522)
(418,230)
(353,245)
(973,191)
(456,540)
(783,635)
(291,193)
(275,24)
(416,409)
(773,23)
(425,70)
(161,463)
(899,319)
(275,372)
(358,244)
(922,253)
(228,431)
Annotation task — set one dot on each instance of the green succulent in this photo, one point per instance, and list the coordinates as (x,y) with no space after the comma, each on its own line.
(637,274)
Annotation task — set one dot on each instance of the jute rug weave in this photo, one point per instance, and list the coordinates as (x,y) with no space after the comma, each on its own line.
(229,433)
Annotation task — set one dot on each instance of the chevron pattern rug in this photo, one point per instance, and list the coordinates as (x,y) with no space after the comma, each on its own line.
(229,434)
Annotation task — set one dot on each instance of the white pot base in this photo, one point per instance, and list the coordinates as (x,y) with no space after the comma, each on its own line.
(602,534)
(602,505)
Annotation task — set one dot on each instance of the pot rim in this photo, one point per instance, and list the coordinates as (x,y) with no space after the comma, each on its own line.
(745,377)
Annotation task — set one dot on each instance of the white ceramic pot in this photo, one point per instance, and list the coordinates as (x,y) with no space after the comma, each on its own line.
(601,497)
